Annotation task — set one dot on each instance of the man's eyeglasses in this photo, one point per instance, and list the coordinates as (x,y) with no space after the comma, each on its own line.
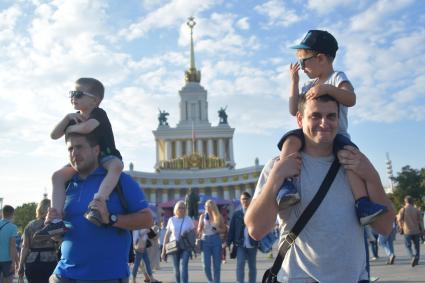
(182,207)
(79,94)
(245,199)
(302,61)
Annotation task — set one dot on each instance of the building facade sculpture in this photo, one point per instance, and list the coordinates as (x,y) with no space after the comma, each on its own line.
(195,154)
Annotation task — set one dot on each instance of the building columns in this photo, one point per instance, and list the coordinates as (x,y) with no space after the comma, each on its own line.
(152,196)
(231,158)
(178,148)
(167,150)
(199,147)
(210,147)
(188,147)
(221,148)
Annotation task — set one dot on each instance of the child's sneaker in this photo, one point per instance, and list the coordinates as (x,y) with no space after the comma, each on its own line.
(367,211)
(94,217)
(287,195)
(52,229)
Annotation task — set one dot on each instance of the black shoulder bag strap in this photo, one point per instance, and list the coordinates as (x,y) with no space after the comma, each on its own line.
(270,276)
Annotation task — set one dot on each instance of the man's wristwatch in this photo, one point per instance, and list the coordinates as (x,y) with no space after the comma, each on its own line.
(113,218)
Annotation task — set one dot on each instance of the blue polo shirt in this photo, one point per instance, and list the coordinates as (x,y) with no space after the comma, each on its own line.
(90,252)
(8,231)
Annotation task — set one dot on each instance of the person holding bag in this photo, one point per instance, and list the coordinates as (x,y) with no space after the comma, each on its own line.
(140,240)
(38,255)
(210,225)
(176,226)
(310,250)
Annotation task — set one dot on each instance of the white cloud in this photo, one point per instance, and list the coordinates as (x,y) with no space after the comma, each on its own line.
(329,6)
(243,23)
(173,13)
(372,19)
(277,13)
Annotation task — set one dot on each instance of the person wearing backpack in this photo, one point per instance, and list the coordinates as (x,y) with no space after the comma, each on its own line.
(84,256)
(38,255)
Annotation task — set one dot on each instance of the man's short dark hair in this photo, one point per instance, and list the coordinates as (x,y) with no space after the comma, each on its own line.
(7,211)
(94,86)
(322,98)
(245,194)
(90,138)
(408,199)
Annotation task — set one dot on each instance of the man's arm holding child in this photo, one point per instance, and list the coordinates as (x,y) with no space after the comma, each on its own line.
(141,219)
(260,217)
(59,129)
(344,93)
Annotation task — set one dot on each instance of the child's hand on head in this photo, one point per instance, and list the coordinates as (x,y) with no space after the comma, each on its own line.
(293,71)
(316,91)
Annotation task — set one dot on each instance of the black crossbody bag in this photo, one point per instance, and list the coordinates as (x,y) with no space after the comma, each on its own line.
(270,276)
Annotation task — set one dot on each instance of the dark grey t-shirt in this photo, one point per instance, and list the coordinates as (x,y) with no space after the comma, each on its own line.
(331,247)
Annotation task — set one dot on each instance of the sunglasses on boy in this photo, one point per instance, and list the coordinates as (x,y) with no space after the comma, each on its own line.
(302,61)
(79,94)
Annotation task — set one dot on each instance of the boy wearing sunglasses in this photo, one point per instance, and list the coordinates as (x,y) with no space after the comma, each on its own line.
(89,118)
(315,54)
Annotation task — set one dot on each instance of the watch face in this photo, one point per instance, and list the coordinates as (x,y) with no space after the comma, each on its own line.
(114,218)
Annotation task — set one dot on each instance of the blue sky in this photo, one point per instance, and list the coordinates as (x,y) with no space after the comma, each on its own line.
(140,50)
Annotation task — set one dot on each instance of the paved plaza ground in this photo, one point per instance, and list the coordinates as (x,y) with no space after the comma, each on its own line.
(400,272)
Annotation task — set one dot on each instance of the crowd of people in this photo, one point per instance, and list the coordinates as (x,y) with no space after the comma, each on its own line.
(320,181)
(38,256)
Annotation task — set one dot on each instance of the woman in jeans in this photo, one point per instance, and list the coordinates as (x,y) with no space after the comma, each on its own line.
(210,225)
(176,226)
(140,239)
(39,254)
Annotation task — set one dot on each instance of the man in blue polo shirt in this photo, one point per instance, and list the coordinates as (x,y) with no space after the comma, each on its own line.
(91,253)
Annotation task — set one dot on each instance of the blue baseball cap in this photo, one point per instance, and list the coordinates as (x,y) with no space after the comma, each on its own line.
(320,41)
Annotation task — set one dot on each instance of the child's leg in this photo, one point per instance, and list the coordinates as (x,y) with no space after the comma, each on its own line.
(59,179)
(114,167)
(290,143)
(367,211)
(358,187)
(55,226)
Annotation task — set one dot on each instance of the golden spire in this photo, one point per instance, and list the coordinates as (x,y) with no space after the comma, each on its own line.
(192,75)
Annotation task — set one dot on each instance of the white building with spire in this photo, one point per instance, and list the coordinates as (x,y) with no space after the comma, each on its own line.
(195,154)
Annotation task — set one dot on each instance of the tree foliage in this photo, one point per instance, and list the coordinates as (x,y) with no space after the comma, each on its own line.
(24,214)
(409,182)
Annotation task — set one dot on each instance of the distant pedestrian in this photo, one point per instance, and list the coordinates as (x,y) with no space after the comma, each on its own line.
(410,221)
(176,226)
(8,253)
(372,238)
(210,225)
(246,246)
(140,240)
(387,242)
(39,254)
